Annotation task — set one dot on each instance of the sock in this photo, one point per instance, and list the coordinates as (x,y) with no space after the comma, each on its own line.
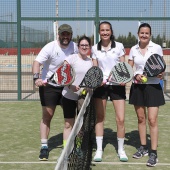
(99,142)
(120,144)
(44,142)
(145,147)
(154,151)
(64,143)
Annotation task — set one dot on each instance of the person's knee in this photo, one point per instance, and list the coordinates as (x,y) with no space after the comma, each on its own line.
(152,122)
(47,117)
(120,121)
(100,117)
(141,120)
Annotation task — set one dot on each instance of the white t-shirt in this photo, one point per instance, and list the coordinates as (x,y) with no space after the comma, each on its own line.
(52,55)
(81,67)
(140,60)
(108,59)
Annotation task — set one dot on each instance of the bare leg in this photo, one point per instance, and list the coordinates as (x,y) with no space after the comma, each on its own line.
(47,115)
(141,114)
(68,127)
(119,106)
(153,125)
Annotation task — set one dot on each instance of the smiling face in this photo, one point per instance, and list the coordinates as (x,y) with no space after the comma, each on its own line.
(65,38)
(105,32)
(144,35)
(84,47)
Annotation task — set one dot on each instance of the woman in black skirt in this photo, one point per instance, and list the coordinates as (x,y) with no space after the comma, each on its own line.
(146,95)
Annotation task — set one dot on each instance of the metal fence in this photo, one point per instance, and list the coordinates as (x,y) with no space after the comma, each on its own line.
(26,26)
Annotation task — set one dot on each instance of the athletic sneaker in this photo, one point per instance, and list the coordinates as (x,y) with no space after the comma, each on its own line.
(140,153)
(44,153)
(98,156)
(153,159)
(122,156)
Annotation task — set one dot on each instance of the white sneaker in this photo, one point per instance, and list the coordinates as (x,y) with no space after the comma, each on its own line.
(122,156)
(98,156)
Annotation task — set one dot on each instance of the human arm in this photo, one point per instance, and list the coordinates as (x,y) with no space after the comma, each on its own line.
(36,74)
(95,63)
(137,77)
(122,58)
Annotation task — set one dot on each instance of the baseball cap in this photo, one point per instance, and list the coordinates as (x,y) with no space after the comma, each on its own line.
(65,27)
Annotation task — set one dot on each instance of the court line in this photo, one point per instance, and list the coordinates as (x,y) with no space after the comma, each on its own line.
(110,163)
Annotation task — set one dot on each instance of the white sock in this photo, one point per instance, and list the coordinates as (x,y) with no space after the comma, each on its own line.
(99,142)
(44,142)
(120,144)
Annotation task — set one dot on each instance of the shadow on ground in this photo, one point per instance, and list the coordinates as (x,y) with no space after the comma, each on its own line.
(131,139)
(110,137)
(55,141)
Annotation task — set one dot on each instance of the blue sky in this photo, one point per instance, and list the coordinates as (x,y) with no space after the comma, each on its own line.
(86,8)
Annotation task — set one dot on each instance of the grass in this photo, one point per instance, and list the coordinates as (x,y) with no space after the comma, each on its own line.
(20,139)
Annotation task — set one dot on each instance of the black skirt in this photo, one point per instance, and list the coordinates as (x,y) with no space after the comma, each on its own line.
(149,95)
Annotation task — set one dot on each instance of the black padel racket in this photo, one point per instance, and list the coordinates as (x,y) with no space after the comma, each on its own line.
(93,78)
(121,73)
(63,76)
(154,65)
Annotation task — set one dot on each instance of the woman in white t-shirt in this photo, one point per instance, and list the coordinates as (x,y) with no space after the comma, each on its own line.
(106,54)
(147,95)
(81,64)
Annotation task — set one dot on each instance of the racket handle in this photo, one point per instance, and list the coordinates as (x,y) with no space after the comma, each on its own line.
(105,81)
(136,82)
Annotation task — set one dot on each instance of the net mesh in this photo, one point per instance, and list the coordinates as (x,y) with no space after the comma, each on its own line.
(78,151)
(81,155)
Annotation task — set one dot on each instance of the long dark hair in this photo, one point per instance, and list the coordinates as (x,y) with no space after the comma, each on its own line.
(144,25)
(112,37)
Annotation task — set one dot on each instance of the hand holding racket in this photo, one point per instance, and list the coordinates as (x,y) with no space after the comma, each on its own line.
(93,78)
(154,66)
(63,76)
(120,73)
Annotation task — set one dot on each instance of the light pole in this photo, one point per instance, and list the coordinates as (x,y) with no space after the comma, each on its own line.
(164,32)
(55,25)
(92,14)
(139,22)
(151,8)
(78,14)
(86,16)
(141,12)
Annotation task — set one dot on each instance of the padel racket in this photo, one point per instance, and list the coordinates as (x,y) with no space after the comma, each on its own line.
(121,73)
(154,65)
(63,76)
(93,78)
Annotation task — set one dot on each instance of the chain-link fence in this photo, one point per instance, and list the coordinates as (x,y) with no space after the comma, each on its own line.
(26,26)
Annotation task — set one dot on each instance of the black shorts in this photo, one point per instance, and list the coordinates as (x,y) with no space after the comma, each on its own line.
(69,108)
(113,91)
(149,95)
(50,95)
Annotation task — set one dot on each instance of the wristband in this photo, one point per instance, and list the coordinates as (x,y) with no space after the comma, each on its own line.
(36,76)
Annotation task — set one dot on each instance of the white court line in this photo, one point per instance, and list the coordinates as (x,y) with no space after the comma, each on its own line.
(128,163)
(110,163)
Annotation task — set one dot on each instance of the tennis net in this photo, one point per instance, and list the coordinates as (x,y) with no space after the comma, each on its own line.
(77,153)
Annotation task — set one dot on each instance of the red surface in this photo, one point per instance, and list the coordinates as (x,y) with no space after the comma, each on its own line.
(35,51)
(24,51)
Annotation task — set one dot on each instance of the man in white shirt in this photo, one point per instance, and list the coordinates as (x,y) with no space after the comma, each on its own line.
(50,57)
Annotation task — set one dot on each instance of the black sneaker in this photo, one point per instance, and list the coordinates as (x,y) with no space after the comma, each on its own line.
(153,159)
(44,153)
(140,153)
